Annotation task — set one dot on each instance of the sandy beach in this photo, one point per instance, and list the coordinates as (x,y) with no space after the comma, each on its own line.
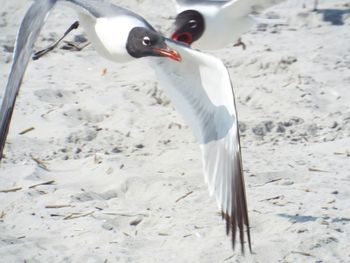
(99,167)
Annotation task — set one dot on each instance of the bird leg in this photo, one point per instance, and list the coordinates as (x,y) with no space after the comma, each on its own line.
(41,53)
(240,43)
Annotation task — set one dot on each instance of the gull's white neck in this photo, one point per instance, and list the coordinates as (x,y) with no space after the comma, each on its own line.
(109,35)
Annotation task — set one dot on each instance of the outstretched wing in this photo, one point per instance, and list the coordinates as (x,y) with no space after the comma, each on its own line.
(27,35)
(200,88)
(103,8)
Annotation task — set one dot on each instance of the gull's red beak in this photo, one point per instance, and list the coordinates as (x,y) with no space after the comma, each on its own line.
(185,37)
(168,52)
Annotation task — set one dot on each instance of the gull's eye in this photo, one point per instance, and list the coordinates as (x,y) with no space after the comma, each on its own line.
(192,23)
(146,41)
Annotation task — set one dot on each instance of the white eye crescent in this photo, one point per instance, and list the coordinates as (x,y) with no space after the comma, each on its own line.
(192,23)
(146,41)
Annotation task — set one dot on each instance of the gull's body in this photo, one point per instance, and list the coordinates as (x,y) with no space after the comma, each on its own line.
(223,21)
(198,84)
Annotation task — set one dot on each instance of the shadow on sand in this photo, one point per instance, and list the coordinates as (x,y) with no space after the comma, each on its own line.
(335,16)
(303,218)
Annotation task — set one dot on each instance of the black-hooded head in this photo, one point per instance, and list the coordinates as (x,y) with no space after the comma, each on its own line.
(143,42)
(189,25)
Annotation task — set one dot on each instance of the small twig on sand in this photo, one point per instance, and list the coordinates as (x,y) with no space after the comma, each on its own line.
(44,183)
(56,215)
(40,163)
(269,182)
(123,214)
(26,130)
(183,197)
(273,180)
(347,153)
(77,215)
(302,253)
(56,206)
(11,190)
(226,259)
(318,170)
(308,190)
(272,198)
(136,221)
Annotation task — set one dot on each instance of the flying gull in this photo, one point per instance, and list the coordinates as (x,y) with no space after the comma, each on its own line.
(214,24)
(198,84)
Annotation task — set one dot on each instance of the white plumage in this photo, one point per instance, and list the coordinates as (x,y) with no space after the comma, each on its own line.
(201,90)
(198,85)
(225,21)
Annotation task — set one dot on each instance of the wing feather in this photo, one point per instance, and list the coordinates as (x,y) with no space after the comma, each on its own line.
(28,33)
(103,8)
(200,89)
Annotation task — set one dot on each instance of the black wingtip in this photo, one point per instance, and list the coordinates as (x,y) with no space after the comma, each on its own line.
(243,227)
(231,228)
(4,128)
(237,217)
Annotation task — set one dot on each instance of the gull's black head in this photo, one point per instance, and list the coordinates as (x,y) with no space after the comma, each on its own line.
(189,26)
(143,42)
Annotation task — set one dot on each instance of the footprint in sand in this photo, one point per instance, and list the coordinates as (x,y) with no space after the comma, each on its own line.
(80,116)
(90,196)
(57,96)
(86,135)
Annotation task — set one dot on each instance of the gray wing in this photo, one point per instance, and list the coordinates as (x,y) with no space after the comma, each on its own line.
(200,89)
(28,33)
(103,8)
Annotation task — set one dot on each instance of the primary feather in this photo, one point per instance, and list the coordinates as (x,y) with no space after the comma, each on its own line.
(200,88)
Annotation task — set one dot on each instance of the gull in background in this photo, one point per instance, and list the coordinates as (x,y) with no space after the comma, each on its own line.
(198,85)
(214,24)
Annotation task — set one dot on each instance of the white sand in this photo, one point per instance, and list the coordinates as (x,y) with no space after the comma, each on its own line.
(118,152)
